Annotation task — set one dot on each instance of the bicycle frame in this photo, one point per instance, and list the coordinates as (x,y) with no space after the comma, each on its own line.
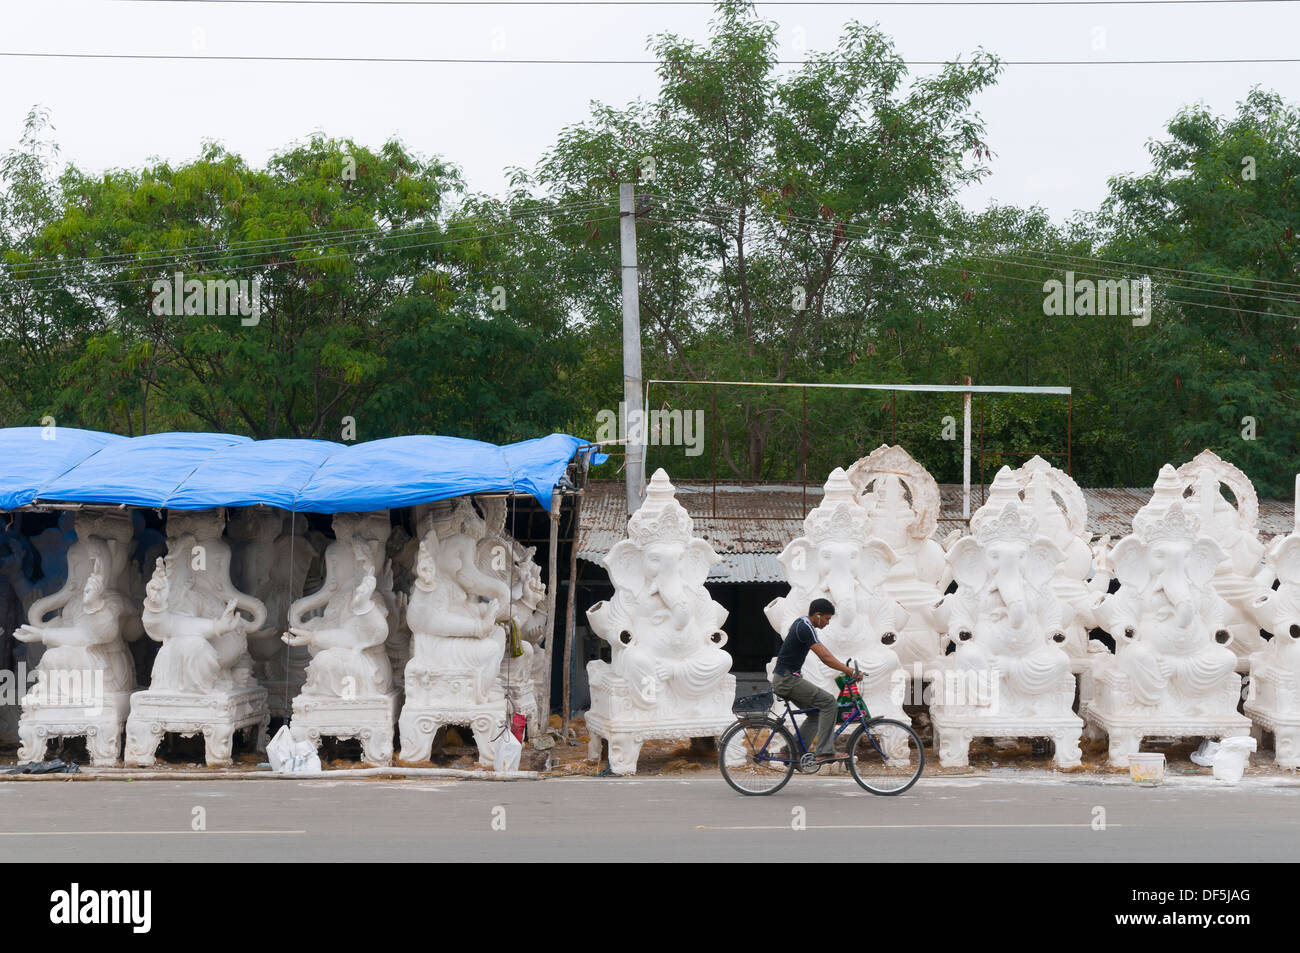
(860,715)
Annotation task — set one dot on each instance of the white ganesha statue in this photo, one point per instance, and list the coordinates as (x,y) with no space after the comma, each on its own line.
(348,691)
(85,677)
(837,559)
(1173,673)
(901,499)
(1233,525)
(1273,699)
(455,613)
(1060,512)
(668,675)
(1010,674)
(203,674)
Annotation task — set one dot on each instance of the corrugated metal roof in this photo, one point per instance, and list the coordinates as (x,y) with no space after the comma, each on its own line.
(749,524)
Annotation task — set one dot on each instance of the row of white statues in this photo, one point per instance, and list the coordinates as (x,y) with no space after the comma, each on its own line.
(348,637)
(241,642)
(999,653)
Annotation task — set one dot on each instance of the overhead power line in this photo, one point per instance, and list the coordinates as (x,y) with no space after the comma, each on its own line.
(453,268)
(497,61)
(957,254)
(161,258)
(959,245)
(1053,270)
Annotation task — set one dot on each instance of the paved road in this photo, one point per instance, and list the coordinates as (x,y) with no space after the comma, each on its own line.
(664,819)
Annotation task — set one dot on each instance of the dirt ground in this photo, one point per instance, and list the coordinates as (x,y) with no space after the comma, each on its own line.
(684,758)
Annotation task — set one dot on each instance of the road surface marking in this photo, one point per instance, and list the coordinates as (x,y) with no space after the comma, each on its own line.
(121,833)
(883,827)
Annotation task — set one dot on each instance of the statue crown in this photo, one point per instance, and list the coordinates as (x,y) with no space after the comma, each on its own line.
(836,521)
(661,518)
(1009,526)
(1175,523)
(671,524)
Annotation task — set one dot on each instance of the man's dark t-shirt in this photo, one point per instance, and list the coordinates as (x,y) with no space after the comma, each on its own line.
(794,650)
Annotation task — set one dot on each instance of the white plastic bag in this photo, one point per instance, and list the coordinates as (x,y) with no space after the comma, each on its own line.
(1204,755)
(292,757)
(509,751)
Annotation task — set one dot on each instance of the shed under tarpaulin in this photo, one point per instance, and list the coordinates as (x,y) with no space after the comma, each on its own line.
(195,471)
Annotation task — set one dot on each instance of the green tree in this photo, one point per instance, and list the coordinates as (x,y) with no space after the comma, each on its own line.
(761,183)
(1214,224)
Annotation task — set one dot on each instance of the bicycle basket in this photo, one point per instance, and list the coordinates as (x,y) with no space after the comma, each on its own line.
(753,707)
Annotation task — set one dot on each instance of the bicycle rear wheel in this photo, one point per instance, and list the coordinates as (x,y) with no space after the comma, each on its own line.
(886,756)
(756,757)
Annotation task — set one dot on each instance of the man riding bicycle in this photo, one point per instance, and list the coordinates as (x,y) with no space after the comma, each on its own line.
(789,684)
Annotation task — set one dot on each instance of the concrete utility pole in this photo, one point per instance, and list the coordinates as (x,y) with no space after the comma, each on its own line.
(965,452)
(635,426)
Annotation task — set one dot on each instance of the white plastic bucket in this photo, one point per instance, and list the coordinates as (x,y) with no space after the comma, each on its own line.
(1147,768)
(1232,757)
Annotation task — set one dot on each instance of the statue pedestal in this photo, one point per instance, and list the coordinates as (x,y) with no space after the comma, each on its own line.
(1115,711)
(369,720)
(1267,707)
(101,727)
(617,718)
(435,699)
(217,716)
(1050,715)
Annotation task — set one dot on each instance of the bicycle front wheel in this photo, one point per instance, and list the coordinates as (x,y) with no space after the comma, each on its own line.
(756,757)
(886,756)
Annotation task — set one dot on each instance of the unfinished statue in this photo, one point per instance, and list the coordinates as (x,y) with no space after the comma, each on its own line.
(668,677)
(203,675)
(271,561)
(522,666)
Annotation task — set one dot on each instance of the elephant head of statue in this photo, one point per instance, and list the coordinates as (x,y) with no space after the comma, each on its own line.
(836,558)
(658,574)
(1171,564)
(455,553)
(845,568)
(1007,568)
(1278,610)
(661,569)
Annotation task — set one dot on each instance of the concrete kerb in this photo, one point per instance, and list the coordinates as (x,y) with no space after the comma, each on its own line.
(220,774)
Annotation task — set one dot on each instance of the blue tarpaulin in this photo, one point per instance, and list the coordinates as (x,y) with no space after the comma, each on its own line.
(195,471)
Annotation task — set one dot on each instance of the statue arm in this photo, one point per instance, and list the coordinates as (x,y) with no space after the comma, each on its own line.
(57,635)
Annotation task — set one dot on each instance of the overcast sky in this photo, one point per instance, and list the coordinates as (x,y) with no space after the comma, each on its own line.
(1058,132)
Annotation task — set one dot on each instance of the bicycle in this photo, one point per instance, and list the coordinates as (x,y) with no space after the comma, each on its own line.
(758,755)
